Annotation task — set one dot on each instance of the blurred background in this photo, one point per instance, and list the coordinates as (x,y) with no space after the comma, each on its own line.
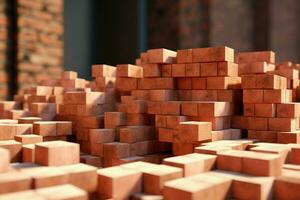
(40,38)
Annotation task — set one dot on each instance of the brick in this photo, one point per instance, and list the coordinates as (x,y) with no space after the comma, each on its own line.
(287,185)
(44,128)
(65,191)
(178,70)
(116,150)
(209,69)
(132,134)
(56,153)
(14,149)
(289,73)
(166,134)
(184,83)
(28,151)
(249,109)
(189,108)
(174,121)
(260,67)
(257,56)
(227,69)
(277,96)
(103,71)
(105,82)
(29,139)
(86,110)
(102,135)
(192,69)
(28,120)
(152,70)
(84,98)
(230,95)
(126,84)
(202,186)
(282,151)
(161,56)
(184,56)
(249,82)
(27,194)
(288,137)
(82,176)
(294,155)
(69,75)
(283,124)
(270,81)
(155,83)
(204,95)
(265,110)
(290,110)
(198,83)
(162,95)
(119,182)
(14,182)
(5,160)
(41,90)
(194,131)
(128,70)
(192,164)
(166,70)
(133,119)
(221,83)
(9,105)
(230,160)
(143,148)
(141,196)
(160,121)
(213,54)
(257,123)
(114,119)
(253,96)
(214,109)
(91,121)
(39,108)
(181,148)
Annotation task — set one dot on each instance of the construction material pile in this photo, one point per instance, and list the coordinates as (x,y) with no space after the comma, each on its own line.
(199,123)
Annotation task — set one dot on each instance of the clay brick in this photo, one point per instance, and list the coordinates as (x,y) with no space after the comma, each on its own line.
(221,83)
(39,108)
(41,90)
(178,70)
(230,95)
(132,134)
(253,96)
(5,160)
(181,148)
(84,98)
(162,95)
(82,176)
(283,124)
(259,67)
(69,75)
(29,139)
(218,123)
(193,131)
(28,120)
(249,82)
(155,83)
(9,105)
(192,69)
(213,54)
(277,96)
(209,69)
(214,109)
(126,84)
(119,182)
(14,149)
(137,119)
(204,95)
(114,119)
(56,153)
(166,135)
(152,70)
(294,155)
(101,135)
(261,164)
(270,81)
(288,137)
(184,95)
(63,192)
(161,56)
(290,110)
(91,121)
(283,151)
(227,69)
(289,73)
(143,148)
(141,196)
(257,56)
(249,109)
(184,56)
(116,150)
(257,123)
(265,110)
(166,70)
(103,71)
(28,194)
(44,128)
(63,128)
(128,70)
(192,164)
(230,160)
(203,186)
(14,182)
(189,108)
(287,185)
(28,153)
(105,82)
(174,121)
(160,121)
(184,83)
(198,83)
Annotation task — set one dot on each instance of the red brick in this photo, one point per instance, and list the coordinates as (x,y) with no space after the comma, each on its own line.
(213,54)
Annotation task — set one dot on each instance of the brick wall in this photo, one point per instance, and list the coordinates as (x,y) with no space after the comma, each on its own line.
(40,40)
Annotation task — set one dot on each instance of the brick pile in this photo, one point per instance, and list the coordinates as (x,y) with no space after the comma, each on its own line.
(176,125)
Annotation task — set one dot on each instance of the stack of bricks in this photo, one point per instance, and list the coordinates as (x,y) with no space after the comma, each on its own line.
(269,113)
(40,41)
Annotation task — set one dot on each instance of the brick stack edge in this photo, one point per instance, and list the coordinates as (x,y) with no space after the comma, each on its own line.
(204,123)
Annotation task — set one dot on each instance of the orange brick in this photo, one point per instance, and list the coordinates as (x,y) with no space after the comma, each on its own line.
(28,120)
(224,83)
(114,119)
(128,70)
(213,54)
(14,149)
(56,153)
(105,82)
(184,56)
(283,124)
(133,119)
(204,95)
(41,90)
(69,75)
(166,70)
(180,148)
(230,95)
(162,95)
(118,182)
(184,83)
(277,96)
(198,83)
(91,122)
(132,134)
(248,82)
(209,69)
(166,134)
(101,135)
(214,109)
(116,150)
(253,96)
(161,56)
(103,71)
(44,128)
(257,56)
(192,164)
(189,108)
(9,105)
(84,98)
(287,185)
(194,131)
(136,106)
(156,83)
(290,110)
(28,151)
(249,109)
(230,160)
(257,123)
(5,159)
(294,154)
(14,182)
(143,148)
(178,70)
(265,110)
(259,67)
(288,137)
(160,121)
(174,121)
(126,84)
(29,139)
(151,70)
(192,69)
(270,81)
(227,69)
